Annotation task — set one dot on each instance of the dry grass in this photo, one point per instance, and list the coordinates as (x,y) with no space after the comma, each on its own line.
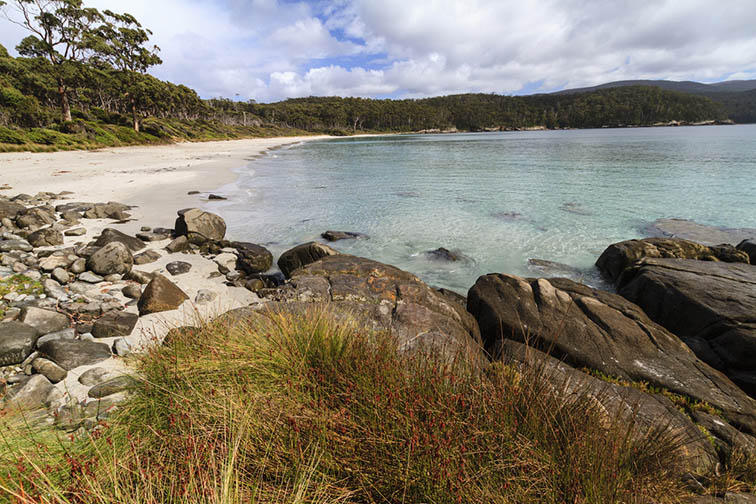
(305,409)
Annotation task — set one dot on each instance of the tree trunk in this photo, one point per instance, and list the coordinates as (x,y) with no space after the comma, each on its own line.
(134,115)
(64,101)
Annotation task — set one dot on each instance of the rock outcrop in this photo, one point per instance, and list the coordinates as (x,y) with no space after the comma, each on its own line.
(620,256)
(600,331)
(711,306)
(384,297)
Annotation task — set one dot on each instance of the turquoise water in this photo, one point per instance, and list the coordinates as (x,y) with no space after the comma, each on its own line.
(497,198)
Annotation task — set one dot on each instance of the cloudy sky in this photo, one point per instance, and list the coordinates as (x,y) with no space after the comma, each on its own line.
(272,49)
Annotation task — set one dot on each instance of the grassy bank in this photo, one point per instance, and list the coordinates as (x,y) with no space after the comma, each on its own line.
(91,134)
(311,408)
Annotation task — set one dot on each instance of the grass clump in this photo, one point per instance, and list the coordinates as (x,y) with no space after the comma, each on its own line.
(308,407)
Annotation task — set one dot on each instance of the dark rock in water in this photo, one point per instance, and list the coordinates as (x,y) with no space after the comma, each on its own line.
(113,258)
(383,297)
(408,194)
(701,233)
(179,244)
(574,208)
(749,247)
(601,331)
(47,237)
(114,323)
(342,235)
(178,267)
(9,209)
(252,258)
(44,321)
(553,268)
(70,354)
(216,197)
(507,216)
(302,255)
(711,305)
(110,235)
(160,295)
(646,412)
(199,226)
(620,256)
(147,257)
(16,342)
(442,254)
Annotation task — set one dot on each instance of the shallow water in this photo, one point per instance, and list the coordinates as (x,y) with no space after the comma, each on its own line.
(497,198)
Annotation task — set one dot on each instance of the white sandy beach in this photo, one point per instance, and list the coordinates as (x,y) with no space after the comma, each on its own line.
(154,178)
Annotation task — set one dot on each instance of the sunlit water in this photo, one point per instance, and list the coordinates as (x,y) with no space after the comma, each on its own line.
(497,198)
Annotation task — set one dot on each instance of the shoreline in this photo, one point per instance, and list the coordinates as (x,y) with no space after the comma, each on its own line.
(155,179)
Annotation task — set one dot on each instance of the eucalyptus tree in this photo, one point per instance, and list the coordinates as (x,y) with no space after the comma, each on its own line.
(60,32)
(122,43)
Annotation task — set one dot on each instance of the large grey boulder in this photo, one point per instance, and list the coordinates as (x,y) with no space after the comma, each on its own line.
(710,305)
(47,237)
(70,354)
(110,235)
(44,321)
(114,323)
(252,258)
(200,226)
(113,258)
(160,295)
(384,297)
(302,255)
(17,341)
(620,256)
(601,331)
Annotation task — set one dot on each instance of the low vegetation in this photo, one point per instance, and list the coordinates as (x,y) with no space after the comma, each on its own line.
(311,408)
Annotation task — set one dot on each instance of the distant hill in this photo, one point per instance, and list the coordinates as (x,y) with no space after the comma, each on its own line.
(737,97)
(680,86)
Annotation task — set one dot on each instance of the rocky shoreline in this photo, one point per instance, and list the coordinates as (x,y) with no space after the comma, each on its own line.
(675,345)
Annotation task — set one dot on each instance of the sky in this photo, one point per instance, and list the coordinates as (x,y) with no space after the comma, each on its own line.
(268,50)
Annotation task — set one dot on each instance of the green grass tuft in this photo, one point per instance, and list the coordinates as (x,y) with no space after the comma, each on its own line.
(310,408)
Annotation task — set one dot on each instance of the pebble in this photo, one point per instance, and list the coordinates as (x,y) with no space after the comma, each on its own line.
(60,275)
(76,232)
(178,267)
(121,347)
(132,291)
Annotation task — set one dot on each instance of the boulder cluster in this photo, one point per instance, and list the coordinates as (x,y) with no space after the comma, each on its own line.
(674,345)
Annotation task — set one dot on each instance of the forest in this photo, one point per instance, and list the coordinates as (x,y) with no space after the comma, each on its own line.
(82,81)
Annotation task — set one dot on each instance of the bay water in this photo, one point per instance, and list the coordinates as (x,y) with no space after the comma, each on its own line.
(496,199)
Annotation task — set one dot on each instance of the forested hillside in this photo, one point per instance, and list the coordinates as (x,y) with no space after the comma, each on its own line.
(82,81)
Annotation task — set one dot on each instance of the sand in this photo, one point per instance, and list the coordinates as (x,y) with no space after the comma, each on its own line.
(155,178)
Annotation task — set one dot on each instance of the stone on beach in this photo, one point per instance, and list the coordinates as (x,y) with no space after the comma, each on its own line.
(115,257)
(199,226)
(160,295)
(302,255)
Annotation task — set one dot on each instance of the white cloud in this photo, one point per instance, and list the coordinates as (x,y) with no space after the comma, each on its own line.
(271,49)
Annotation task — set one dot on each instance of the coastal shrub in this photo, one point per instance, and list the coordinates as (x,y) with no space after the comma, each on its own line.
(311,407)
(11,136)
